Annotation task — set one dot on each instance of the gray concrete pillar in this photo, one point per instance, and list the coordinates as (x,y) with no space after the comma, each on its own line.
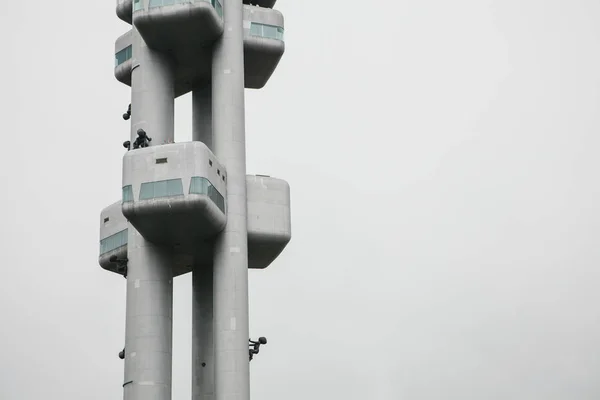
(203,351)
(202,116)
(231,249)
(152,93)
(149,321)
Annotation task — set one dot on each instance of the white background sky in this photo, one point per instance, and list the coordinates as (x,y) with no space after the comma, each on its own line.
(443,160)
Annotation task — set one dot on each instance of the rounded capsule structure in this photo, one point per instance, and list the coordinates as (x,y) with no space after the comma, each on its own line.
(188,34)
(124,9)
(174,194)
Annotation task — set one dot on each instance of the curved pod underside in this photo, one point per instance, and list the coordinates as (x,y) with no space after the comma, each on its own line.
(124,9)
(179,27)
(261,3)
(187,32)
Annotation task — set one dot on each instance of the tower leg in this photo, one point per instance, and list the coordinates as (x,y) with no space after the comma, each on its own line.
(202,116)
(149,322)
(231,249)
(203,351)
(148,327)
(152,93)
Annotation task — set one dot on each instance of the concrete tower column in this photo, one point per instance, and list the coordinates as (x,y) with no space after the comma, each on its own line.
(152,93)
(202,130)
(149,322)
(231,248)
(203,350)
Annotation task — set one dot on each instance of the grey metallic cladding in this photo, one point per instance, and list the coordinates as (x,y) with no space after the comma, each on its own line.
(261,3)
(192,69)
(124,9)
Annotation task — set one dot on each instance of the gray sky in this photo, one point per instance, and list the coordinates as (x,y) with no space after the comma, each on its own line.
(443,163)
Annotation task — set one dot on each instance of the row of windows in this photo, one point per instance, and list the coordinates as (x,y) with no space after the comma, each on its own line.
(174,187)
(113,242)
(267,31)
(200,185)
(155,190)
(123,56)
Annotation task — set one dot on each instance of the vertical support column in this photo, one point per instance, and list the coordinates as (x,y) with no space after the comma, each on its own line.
(202,130)
(203,351)
(152,93)
(149,321)
(232,380)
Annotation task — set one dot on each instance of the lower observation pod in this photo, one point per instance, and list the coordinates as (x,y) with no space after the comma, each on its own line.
(174,194)
(269,229)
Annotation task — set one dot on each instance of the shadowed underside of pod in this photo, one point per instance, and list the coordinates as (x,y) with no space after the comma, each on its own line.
(261,3)
(181,27)
(190,41)
(124,8)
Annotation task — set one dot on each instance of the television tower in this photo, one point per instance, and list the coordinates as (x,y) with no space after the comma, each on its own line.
(190,207)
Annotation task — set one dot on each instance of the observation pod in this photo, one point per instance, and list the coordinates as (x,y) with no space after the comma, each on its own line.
(269,219)
(263,32)
(123,58)
(174,194)
(269,229)
(113,237)
(124,8)
(263,44)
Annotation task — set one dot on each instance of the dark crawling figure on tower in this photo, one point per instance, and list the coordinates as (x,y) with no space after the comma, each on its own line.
(256,346)
(142,139)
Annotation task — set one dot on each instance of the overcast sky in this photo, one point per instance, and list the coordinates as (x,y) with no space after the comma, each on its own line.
(443,161)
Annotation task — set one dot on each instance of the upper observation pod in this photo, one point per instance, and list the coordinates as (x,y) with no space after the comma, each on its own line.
(261,3)
(174,194)
(178,26)
(192,52)
(263,44)
(124,8)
